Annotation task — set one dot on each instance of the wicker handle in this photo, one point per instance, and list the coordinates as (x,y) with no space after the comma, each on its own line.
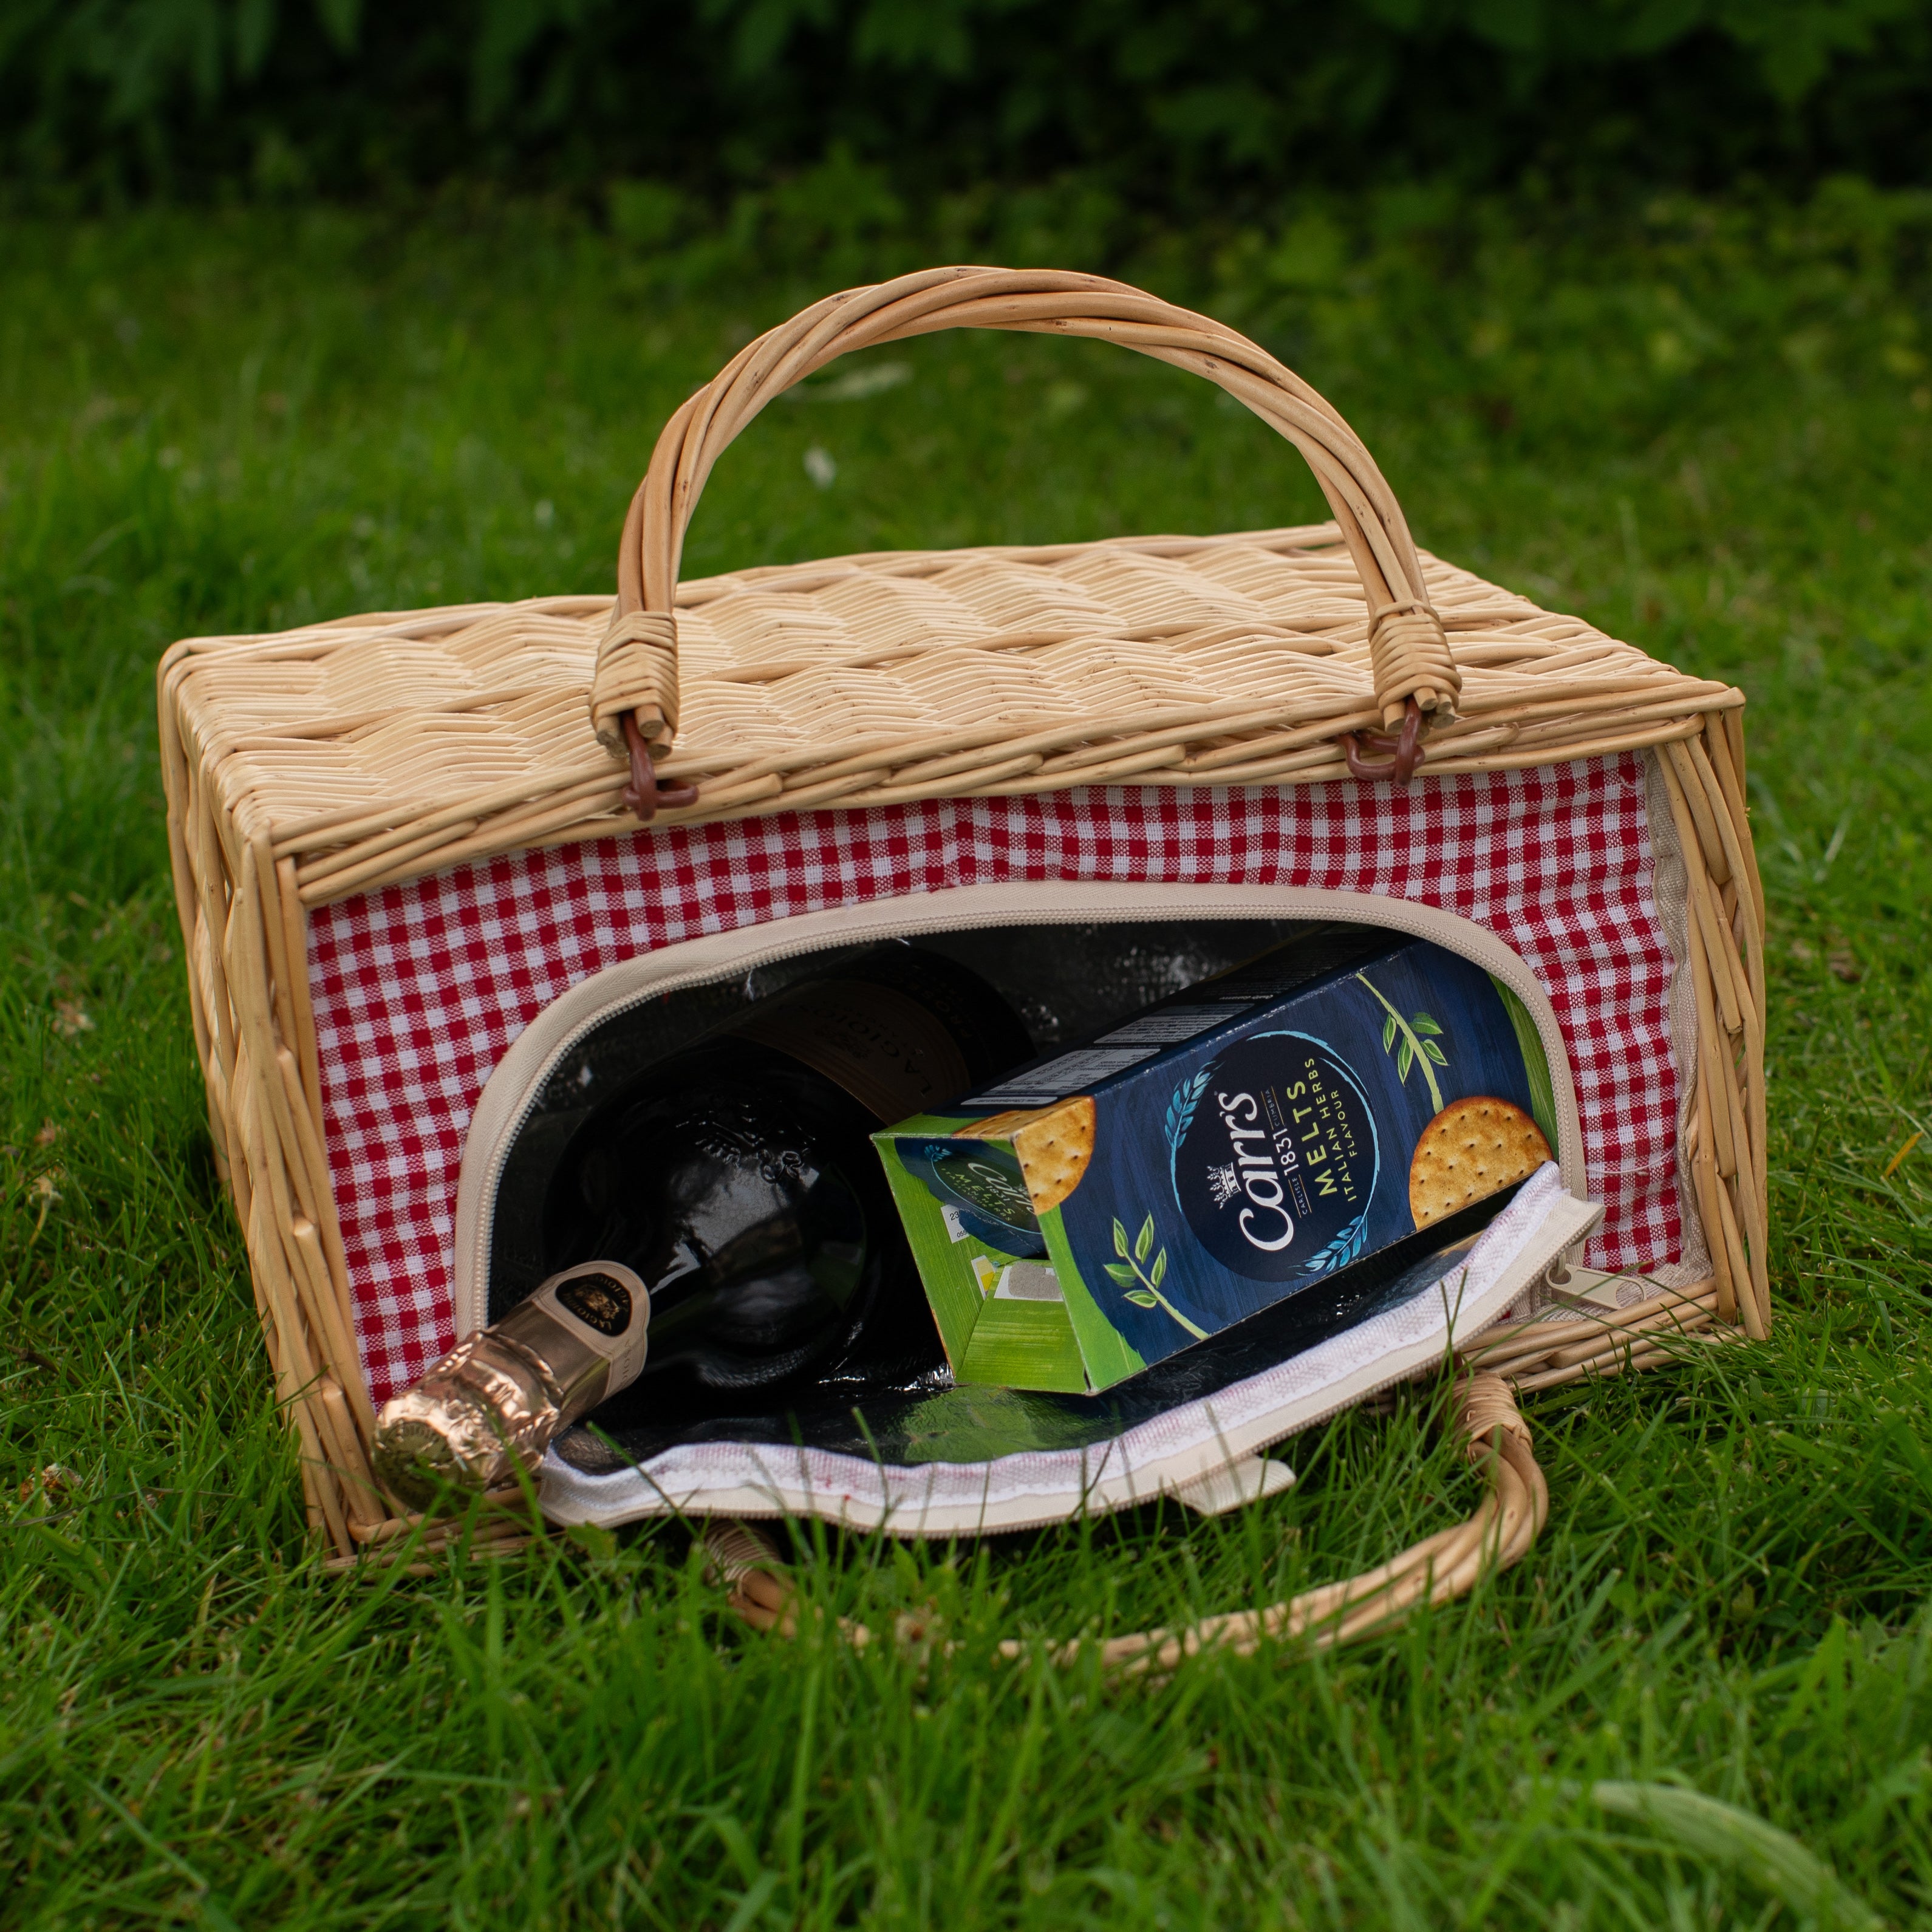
(1438,1570)
(637,665)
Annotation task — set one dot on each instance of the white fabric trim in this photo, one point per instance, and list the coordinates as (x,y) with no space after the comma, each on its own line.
(1185,1447)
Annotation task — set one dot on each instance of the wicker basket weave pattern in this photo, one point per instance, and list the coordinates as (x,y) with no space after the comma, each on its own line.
(379,748)
(317,764)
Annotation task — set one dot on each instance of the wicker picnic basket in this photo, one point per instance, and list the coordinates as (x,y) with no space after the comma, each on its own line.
(397,838)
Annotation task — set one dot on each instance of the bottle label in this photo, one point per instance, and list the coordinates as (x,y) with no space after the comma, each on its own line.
(599,1301)
(888,1052)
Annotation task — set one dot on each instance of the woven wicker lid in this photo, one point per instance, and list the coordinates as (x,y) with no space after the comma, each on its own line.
(378,747)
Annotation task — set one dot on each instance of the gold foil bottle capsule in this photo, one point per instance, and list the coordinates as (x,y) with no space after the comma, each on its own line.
(493,1404)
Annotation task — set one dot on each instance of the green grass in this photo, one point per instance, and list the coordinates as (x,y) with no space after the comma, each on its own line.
(1709,432)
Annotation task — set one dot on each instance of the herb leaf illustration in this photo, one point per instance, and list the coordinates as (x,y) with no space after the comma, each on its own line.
(1127,1271)
(1344,1248)
(1181,1108)
(1419,1033)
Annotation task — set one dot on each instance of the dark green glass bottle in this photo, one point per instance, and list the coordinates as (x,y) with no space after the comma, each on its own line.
(737,1179)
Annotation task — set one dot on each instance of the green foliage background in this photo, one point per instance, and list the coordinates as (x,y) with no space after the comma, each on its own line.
(1172,105)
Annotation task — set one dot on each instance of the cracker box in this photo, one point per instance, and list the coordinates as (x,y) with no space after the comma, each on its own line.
(1266,1135)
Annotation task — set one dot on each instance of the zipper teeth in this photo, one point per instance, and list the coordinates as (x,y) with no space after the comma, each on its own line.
(1397,915)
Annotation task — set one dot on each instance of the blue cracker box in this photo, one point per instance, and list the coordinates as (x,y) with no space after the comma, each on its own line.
(1251,1139)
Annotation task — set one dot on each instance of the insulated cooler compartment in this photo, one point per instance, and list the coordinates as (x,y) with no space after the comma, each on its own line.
(1111,952)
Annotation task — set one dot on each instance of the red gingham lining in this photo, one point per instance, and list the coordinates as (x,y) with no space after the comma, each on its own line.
(418,988)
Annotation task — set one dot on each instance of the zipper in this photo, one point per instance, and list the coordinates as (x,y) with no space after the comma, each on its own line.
(511,1092)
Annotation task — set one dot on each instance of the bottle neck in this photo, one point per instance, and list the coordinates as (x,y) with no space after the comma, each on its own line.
(587,1330)
(494,1403)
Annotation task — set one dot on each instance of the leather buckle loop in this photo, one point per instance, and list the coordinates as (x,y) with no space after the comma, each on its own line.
(644,794)
(1407,749)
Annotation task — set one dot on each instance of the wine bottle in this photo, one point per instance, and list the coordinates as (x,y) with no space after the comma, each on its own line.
(737,1181)
(497,1399)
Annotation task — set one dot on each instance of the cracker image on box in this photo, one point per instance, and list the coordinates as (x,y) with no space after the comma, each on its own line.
(1052,1144)
(1268,1134)
(1470,1149)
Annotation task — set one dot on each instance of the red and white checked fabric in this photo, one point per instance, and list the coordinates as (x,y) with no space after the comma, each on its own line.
(419,988)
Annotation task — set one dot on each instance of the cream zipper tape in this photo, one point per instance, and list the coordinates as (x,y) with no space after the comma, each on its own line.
(510,1092)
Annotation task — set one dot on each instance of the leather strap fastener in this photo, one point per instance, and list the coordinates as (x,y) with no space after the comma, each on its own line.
(644,794)
(1407,749)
